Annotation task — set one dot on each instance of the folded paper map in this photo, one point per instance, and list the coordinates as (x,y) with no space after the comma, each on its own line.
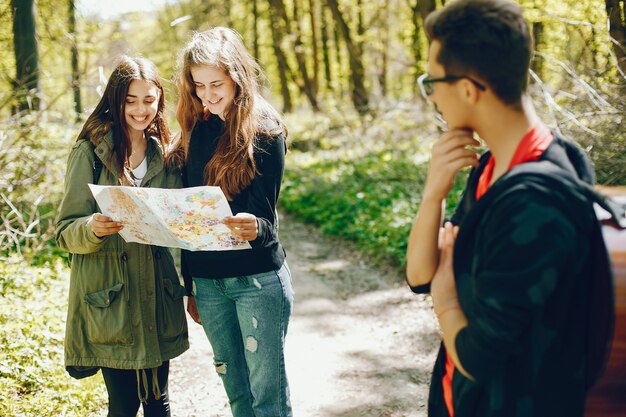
(189,218)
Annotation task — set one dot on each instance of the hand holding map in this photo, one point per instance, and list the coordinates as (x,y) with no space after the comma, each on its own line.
(189,218)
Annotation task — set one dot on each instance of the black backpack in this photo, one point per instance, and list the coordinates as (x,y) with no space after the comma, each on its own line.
(611,226)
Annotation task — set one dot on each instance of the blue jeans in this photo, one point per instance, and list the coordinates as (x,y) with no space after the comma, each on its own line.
(246,319)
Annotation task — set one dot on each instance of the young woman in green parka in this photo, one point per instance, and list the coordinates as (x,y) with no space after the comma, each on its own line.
(126,314)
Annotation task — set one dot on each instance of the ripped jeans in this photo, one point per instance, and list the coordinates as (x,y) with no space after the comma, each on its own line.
(246,319)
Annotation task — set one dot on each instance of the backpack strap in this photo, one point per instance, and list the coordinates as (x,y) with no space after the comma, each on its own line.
(97,163)
(97,168)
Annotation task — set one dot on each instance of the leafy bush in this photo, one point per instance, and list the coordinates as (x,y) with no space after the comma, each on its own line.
(365,184)
(33,381)
(32,162)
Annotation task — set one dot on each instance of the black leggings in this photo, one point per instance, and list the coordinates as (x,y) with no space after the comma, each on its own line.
(124,395)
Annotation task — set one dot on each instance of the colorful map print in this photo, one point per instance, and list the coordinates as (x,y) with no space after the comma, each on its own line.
(190,218)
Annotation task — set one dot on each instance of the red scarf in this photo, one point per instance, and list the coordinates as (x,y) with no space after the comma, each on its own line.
(530,148)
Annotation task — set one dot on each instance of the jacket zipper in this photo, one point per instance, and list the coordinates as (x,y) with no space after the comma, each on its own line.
(159,278)
(125,275)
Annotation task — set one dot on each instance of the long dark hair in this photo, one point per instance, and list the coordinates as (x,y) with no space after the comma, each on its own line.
(109,113)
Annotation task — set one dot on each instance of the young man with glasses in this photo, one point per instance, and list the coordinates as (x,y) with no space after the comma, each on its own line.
(508,272)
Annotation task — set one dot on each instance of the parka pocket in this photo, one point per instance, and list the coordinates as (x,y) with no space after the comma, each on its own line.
(108,317)
(172,322)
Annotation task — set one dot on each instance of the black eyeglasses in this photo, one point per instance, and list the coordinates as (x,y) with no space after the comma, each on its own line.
(427,87)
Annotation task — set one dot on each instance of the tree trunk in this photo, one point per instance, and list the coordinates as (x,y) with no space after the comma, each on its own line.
(301,79)
(617,29)
(281,59)
(26,86)
(255,29)
(416,45)
(419,12)
(326,50)
(306,82)
(382,75)
(594,48)
(360,26)
(74,51)
(339,59)
(359,92)
(313,10)
(426,7)
(537,62)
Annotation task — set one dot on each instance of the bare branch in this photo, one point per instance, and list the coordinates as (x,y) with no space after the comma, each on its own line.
(552,104)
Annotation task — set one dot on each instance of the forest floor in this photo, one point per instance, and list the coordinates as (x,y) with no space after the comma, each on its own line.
(360,344)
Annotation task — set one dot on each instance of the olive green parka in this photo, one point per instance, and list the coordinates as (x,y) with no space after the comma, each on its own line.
(125,299)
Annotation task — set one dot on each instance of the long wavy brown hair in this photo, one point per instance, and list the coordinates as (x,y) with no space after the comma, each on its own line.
(109,113)
(250,117)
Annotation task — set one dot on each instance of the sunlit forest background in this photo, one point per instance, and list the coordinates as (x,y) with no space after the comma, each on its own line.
(344,74)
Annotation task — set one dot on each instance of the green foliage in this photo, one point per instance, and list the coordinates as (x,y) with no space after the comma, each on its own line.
(372,200)
(365,187)
(32,166)
(33,381)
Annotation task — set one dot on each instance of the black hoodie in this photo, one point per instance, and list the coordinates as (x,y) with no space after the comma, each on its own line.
(258,198)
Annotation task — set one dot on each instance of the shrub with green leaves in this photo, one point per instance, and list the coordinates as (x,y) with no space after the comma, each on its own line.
(371,200)
(361,178)
(33,380)
(32,164)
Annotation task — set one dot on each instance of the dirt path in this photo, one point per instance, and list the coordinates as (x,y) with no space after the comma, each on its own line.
(359,343)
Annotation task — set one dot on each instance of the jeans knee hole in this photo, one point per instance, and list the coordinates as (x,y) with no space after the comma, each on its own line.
(251,344)
(220,368)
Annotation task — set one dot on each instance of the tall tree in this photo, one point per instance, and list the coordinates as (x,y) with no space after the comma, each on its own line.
(74,51)
(292,26)
(26,84)
(419,11)
(278,33)
(313,11)
(326,49)
(255,28)
(359,92)
(360,24)
(537,63)
(384,49)
(307,82)
(339,59)
(416,42)
(615,10)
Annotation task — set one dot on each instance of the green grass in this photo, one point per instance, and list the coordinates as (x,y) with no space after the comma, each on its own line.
(360,185)
(33,381)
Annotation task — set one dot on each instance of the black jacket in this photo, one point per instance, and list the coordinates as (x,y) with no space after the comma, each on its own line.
(523,258)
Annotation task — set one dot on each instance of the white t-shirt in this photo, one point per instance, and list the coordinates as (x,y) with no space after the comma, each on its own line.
(140,171)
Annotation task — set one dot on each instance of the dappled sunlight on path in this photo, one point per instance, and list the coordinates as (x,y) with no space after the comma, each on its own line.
(359,342)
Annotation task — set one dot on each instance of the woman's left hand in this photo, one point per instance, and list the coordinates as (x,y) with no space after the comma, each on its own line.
(243,225)
(192,309)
